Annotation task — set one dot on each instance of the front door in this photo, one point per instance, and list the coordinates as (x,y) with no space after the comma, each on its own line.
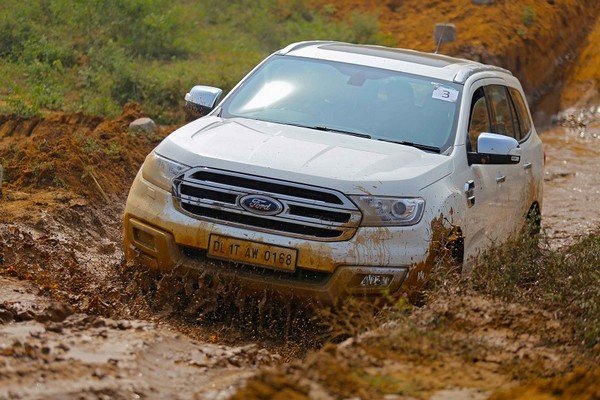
(495,189)
(511,178)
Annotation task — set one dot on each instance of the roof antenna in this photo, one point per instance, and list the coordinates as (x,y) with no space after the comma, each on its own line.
(439,34)
(437,48)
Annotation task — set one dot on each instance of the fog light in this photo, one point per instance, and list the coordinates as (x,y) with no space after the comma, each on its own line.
(144,238)
(375,280)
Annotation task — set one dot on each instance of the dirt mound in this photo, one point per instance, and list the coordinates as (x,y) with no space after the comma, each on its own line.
(60,216)
(582,85)
(582,384)
(537,40)
(87,155)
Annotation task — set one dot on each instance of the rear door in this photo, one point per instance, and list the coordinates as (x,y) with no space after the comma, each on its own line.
(532,154)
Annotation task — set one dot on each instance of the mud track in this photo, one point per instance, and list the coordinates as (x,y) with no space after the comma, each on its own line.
(572,182)
(76,322)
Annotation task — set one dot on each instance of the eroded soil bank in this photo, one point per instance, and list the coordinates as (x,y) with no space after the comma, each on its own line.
(544,43)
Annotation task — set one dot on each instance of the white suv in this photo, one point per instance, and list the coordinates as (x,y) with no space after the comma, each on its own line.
(335,168)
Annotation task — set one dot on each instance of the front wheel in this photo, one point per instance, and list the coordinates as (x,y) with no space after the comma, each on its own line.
(533,221)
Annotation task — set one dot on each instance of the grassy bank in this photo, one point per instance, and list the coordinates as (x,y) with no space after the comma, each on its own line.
(96,56)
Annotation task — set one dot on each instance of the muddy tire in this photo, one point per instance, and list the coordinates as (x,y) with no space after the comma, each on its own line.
(533,222)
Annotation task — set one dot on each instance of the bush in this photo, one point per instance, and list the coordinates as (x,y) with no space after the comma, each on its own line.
(528,16)
(96,56)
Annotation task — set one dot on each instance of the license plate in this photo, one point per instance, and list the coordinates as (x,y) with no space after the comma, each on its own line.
(247,252)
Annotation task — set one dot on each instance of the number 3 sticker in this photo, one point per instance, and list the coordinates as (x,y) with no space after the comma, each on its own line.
(446,94)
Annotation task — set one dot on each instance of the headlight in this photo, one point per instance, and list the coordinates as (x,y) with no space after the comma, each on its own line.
(161,171)
(389,211)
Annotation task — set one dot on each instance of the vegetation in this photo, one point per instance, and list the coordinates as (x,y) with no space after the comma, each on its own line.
(528,16)
(564,281)
(96,56)
(524,270)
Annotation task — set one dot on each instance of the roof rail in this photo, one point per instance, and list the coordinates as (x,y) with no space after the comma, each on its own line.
(464,74)
(299,45)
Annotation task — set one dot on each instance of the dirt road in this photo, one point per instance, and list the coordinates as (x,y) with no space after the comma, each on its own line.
(572,179)
(73,326)
(47,352)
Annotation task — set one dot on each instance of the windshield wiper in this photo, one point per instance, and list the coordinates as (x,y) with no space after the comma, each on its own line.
(415,145)
(352,133)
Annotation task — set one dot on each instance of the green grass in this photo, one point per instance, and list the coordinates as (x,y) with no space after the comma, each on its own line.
(96,56)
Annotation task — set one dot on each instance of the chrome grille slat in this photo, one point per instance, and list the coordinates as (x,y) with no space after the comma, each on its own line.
(307,217)
(205,202)
(244,191)
(344,201)
(281,217)
(220,188)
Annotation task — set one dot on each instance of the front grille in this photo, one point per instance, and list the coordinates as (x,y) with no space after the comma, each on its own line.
(308,211)
(267,186)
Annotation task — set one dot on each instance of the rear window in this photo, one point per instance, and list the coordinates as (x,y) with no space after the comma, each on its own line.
(522,114)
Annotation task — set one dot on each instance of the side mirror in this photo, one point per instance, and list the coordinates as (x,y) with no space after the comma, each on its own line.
(202,99)
(495,149)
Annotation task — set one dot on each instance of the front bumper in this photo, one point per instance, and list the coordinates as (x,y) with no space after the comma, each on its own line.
(161,237)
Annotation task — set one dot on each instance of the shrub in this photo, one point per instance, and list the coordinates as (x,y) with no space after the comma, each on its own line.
(94,56)
(528,16)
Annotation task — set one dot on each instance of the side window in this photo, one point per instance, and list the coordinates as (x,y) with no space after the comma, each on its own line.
(479,120)
(502,119)
(523,115)
(518,134)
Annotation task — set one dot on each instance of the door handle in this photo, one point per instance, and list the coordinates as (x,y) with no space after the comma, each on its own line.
(470,193)
(527,165)
(500,179)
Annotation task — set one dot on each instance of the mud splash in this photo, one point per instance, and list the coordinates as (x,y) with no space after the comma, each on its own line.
(220,304)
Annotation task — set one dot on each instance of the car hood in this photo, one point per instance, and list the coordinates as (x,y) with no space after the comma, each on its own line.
(350,164)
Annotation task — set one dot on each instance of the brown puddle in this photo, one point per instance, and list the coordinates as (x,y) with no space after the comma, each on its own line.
(571,179)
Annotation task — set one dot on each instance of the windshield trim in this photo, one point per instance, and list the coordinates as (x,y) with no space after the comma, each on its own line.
(444,149)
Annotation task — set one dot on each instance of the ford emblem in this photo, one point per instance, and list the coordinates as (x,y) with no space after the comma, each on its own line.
(262,205)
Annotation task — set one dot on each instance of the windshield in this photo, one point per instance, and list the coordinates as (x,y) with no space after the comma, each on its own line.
(348,98)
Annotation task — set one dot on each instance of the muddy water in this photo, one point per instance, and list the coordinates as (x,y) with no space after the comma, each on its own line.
(572,178)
